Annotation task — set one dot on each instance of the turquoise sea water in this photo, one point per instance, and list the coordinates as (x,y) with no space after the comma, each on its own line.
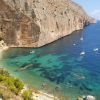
(59,65)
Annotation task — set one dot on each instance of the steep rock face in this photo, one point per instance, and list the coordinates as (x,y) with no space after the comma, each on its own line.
(34,23)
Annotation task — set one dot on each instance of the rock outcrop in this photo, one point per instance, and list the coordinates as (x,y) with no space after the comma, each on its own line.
(34,23)
(89,97)
(3,46)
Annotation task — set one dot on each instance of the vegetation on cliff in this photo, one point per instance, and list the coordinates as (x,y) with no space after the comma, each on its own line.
(13,84)
(10,87)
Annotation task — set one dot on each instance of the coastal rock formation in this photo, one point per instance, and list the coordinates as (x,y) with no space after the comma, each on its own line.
(3,46)
(89,97)
(34,23)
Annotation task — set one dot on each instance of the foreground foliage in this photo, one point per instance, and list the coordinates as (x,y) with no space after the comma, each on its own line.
(14,84)
(10,85)
(27,94)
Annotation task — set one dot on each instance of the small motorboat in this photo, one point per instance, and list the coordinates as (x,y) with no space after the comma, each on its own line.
(95,49)
(82,53)
(32,51)
(81,38)
(74,44)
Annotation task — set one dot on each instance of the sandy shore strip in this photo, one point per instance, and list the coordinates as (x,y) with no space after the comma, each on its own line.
(43,96)
(40,95)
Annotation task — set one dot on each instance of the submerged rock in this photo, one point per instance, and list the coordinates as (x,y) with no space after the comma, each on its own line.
(89,97)
(34,23)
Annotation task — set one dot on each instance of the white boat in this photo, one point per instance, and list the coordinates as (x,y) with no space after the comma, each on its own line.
(32,51)
(81,38)
(82,53)
(95,49)
(74,44)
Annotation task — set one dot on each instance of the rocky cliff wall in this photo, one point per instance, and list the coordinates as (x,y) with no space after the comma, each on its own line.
(34,23)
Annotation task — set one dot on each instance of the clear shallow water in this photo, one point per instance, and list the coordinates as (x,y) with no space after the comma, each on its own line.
(59,64)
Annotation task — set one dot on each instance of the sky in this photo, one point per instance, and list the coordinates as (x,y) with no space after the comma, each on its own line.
(92,7)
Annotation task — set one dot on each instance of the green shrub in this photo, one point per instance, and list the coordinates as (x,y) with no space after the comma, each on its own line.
(27,94)
(1,94)
(14,84)
(18,84)
(13,89)
(4,72)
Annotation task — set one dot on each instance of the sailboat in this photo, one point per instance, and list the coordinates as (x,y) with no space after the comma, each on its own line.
(74,44)
(82,53)
(95,49)
(81,38)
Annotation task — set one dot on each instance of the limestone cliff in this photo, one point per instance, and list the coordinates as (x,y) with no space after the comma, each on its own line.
(34,23)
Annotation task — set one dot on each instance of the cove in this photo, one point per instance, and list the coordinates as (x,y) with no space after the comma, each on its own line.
(60,65)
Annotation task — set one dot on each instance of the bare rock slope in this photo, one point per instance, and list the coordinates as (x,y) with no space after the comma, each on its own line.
(34,23)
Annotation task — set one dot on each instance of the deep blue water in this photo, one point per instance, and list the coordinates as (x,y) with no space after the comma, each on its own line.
(60,64)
